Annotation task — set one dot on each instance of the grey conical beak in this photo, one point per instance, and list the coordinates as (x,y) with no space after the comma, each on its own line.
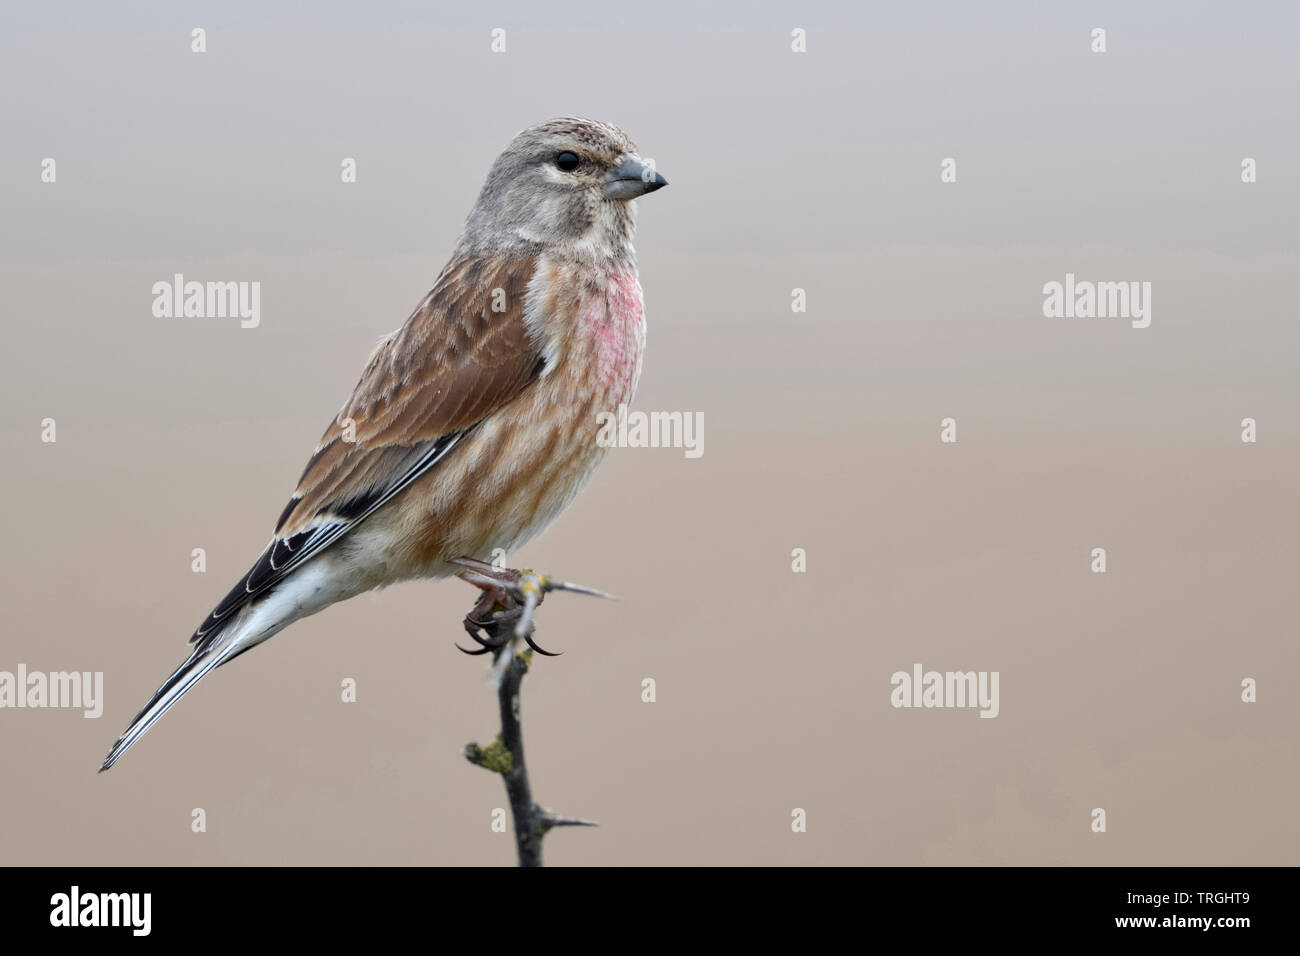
(631,178)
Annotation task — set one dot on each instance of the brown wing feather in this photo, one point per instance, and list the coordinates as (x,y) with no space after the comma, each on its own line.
(464,353)
(452,364)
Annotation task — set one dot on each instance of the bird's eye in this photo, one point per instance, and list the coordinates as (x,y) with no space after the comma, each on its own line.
(567,161)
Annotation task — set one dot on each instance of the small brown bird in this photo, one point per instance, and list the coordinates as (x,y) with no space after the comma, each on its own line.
(475,424)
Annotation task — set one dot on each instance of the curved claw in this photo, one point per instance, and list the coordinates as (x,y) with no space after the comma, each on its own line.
(481,641)
(544,653)
(481,650)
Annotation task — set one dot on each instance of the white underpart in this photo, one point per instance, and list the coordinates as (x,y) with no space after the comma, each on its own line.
(542,334)
(313,587)
(599,243)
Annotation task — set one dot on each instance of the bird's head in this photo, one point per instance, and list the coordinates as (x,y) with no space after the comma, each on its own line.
(565,185)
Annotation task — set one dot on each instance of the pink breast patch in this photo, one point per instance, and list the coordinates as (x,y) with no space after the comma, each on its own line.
(614,322)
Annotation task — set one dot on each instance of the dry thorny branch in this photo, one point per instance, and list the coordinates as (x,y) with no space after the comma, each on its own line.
(502,618)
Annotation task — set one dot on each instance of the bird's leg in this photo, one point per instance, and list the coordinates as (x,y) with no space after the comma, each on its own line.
(510,599)
(505,610)
(492,601)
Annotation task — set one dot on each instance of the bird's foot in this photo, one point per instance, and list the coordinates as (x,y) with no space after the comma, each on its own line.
(504,612)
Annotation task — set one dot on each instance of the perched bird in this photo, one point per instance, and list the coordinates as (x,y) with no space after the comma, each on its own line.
(475,424)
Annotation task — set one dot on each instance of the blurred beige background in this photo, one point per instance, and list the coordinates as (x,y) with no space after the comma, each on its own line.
(818,171)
